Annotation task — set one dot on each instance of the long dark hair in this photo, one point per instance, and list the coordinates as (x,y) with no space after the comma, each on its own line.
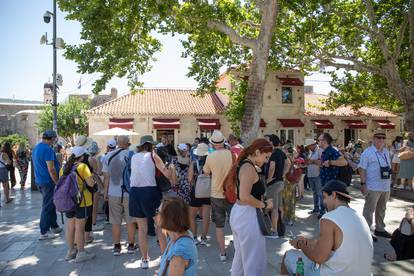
(260,144)
(70,163)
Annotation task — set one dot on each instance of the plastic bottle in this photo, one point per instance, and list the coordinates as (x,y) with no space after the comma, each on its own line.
(300,270)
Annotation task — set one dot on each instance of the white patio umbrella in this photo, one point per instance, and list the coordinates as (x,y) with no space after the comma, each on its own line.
(116,131)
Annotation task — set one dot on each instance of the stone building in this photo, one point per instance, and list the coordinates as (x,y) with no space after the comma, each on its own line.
(287,111)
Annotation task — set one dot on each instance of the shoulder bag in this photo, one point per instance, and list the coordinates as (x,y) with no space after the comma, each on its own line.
(265,222)
(163,184)
(203,184)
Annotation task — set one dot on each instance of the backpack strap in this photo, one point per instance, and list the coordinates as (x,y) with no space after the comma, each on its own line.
(115,154)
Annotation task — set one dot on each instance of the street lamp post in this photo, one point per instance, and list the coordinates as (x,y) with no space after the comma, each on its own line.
(57,43)
(54,105)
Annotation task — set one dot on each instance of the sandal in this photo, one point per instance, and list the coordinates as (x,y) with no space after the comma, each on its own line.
(9,200)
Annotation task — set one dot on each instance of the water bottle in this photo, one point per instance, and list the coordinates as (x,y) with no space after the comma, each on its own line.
(300,270)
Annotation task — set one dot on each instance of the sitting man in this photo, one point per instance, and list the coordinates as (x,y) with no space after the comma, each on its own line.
(344,246)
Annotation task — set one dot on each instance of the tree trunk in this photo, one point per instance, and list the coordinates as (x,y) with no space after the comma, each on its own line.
(257,75)
(253,101)
(409,116)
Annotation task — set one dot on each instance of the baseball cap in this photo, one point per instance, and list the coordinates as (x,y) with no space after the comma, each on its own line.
(111,143)
(48,134)
(336,186)
(78,151)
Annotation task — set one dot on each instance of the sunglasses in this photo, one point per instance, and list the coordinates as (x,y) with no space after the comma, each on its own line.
(381,137)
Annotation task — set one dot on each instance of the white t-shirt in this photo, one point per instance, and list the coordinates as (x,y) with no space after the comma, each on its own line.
(354,255)
(370,161)
(115,170)
(142,170)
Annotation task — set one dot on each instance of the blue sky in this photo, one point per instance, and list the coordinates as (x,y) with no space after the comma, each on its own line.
(26,65)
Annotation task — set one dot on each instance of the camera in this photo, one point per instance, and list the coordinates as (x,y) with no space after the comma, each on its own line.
(47,17)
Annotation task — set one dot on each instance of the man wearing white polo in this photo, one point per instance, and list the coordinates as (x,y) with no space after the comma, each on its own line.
(375,171)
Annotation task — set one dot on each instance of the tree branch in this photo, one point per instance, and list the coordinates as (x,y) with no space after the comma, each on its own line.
(400,38)
(378,32)
(356,65)
(231,33)
(251,24)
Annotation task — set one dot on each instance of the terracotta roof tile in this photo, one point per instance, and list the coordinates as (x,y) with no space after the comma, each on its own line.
(161,102)
(313,107)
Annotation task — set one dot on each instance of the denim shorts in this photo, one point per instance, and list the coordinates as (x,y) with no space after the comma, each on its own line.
(80,213)
(144,202)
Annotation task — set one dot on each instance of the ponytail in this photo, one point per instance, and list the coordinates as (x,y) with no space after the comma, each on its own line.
(69,164)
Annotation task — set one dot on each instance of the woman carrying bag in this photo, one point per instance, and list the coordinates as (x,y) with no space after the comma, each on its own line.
(196,171)
(249,241)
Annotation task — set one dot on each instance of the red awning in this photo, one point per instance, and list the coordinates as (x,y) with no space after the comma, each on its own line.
(166,123)
(209,123)
(385,124)
(121,123)
(355,124)
(262,123)
(291,122)
(290,81)
(323,124)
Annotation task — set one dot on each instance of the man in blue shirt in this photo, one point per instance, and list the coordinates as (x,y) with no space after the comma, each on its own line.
(331,159)
(46,168)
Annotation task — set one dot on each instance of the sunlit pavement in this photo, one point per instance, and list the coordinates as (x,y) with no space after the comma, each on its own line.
(21,253)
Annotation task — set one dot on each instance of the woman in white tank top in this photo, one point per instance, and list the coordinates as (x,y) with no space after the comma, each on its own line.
(145,197)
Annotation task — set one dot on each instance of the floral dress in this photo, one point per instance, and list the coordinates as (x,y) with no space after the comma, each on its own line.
(183,186)
(22,165)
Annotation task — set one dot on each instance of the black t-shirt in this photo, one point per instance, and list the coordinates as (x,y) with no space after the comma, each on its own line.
(279,157)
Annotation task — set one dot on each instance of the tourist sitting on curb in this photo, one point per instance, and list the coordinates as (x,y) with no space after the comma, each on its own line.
(344,246)
(402,239)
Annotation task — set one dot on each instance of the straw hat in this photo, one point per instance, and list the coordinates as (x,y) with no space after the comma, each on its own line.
(217,138)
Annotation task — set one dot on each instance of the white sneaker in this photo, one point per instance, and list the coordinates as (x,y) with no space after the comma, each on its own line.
(203,241)
(98,227)
(56,230)
(71,254)
(223,258)
(48,236)
(144,264)
(84,256)
(272,235)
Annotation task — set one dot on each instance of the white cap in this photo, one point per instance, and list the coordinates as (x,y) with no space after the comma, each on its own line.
(182,147)
(111,143)
(78,151)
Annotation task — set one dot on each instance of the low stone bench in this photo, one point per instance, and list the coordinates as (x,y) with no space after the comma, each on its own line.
(397,268)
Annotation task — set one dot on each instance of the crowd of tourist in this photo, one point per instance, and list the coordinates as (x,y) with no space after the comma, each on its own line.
(157,189)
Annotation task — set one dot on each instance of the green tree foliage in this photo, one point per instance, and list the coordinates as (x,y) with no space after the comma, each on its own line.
(119,41)
(14,139)
(73,108)
(235,108)
(373,42)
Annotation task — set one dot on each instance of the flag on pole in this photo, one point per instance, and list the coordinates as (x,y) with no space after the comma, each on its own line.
(80,83)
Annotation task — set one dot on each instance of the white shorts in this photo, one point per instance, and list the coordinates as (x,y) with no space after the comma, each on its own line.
(310,267)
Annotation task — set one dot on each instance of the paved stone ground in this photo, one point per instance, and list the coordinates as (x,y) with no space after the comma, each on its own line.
(22,254)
